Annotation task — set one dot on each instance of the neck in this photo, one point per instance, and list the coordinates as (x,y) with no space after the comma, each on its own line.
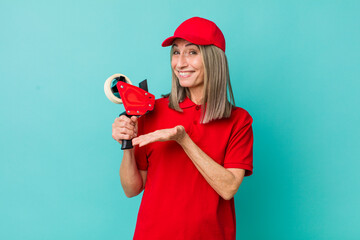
(196,96)
(196,101)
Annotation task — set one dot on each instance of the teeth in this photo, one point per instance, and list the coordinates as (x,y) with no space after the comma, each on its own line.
(184,74)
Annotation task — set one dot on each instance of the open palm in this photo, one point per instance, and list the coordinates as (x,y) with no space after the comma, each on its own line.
(174,134)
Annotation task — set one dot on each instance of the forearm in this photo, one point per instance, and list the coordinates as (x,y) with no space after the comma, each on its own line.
(130,177)
(220,179)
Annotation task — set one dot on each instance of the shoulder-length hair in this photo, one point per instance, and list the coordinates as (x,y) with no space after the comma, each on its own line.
(217,86)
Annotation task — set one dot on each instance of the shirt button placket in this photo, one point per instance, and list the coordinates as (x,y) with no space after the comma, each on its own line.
(196,119)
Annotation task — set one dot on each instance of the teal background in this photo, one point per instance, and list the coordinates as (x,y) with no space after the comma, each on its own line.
(294,66)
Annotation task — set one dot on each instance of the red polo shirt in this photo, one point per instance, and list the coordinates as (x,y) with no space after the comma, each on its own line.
(177,201)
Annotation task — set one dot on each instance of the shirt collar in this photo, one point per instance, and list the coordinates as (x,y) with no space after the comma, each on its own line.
(186,103)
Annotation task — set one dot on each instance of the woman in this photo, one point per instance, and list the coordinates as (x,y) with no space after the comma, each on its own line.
(193,151)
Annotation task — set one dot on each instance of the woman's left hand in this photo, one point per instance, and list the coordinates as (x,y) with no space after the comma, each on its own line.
(176,134)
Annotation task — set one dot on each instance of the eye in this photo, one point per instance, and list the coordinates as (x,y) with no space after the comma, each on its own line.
(175,52)
(193,52)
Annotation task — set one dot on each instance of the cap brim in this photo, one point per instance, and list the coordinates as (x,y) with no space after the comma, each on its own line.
(168,41)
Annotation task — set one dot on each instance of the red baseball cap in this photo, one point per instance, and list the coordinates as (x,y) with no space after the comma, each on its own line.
(199,31)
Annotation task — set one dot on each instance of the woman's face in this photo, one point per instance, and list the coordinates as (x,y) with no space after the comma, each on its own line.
(188,65)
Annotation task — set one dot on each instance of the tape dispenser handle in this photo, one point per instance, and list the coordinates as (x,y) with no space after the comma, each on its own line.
(126,144)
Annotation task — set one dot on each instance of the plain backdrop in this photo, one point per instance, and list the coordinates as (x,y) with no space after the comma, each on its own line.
(294,66)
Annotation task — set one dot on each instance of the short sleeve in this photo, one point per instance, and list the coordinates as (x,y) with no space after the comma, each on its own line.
(140,152)
(239,152)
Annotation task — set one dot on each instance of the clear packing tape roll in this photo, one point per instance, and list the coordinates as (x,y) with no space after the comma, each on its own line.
(110,89)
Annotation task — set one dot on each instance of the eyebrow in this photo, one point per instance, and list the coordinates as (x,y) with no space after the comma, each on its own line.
(189,44)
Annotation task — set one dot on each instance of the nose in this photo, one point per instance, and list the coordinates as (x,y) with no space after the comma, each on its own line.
(182,61)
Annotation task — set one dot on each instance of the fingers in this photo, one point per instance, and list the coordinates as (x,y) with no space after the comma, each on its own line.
(121,133)
(136,141)
(158,135)
(176,133)
(124,128)
(124,119)
(124,125)
(134,119)
(143,140)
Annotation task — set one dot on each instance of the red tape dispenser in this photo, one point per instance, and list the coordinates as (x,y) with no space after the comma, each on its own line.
(137,100)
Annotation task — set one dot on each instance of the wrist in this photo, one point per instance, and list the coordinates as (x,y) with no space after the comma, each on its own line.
(183,139)
(128,152)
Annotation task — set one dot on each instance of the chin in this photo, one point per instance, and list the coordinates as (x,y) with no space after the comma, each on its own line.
(185,84)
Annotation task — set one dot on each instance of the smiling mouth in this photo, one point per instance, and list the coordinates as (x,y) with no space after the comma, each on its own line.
(184,74)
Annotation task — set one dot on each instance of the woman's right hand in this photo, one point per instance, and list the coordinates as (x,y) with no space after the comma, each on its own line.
(124,128)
